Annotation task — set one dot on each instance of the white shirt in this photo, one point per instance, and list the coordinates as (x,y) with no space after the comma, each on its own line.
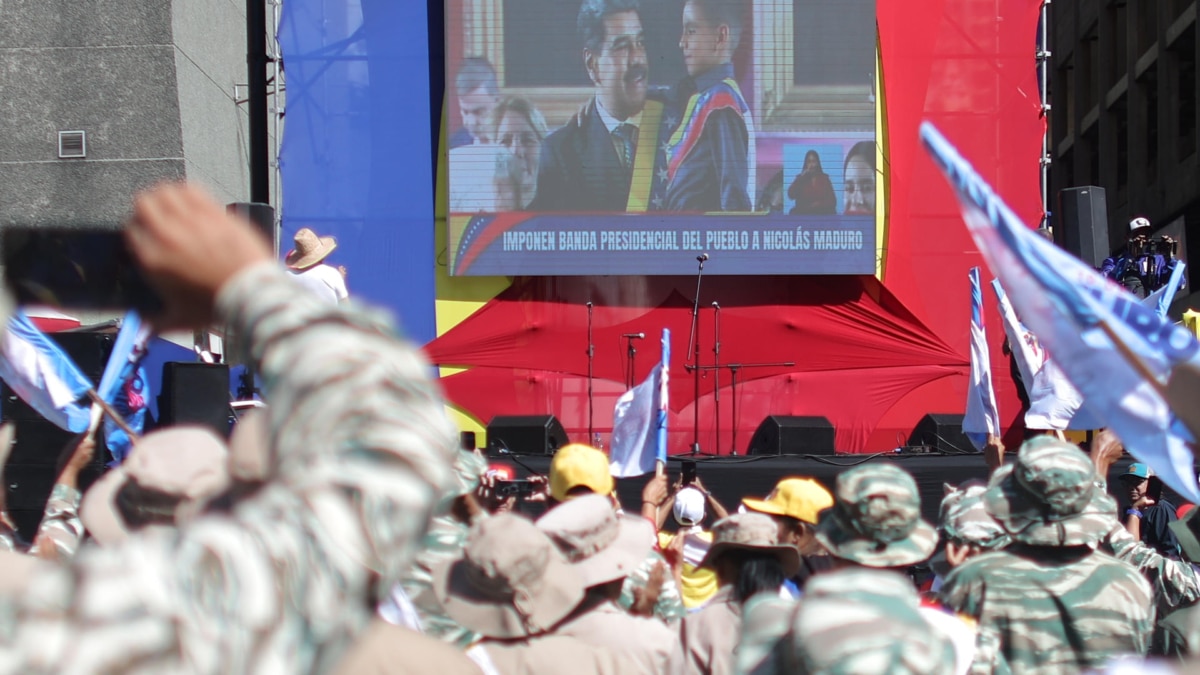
(324,281)
(611,123)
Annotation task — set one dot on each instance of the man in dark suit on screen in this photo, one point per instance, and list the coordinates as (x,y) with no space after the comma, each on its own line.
(603,158)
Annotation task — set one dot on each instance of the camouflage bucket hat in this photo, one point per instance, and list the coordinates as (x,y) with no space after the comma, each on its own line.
(876,519)
(850,621)
(964,519)
(1049,497)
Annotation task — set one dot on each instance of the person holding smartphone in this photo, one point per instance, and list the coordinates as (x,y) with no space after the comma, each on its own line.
(686,548)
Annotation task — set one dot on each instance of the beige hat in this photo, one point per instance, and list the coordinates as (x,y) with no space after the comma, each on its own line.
(601,545)
(309,249)
(751,532)
(190,462)
(511,581)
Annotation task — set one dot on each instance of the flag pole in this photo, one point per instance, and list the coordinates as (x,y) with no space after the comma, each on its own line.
(1138,365)
(114,415)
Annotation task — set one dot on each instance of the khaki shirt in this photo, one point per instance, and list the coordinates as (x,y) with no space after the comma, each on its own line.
(553,655)
(385,648)
(648,642)
(709,636)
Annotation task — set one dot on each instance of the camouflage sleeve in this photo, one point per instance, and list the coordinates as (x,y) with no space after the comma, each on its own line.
(1175,582)
(669,607)
(60,527)
(360,448)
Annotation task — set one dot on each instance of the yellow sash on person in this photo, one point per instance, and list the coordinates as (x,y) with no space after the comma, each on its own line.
(643,158)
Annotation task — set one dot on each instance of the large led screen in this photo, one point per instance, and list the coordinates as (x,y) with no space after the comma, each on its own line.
(626,137)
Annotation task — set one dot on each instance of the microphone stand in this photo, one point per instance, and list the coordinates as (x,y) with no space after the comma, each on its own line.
(694,347)
(591,354)
(733,371)
(630,361)
(717,372)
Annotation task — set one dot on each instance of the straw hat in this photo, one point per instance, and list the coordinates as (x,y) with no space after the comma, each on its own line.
(309,249)
(598,543)
(511,581)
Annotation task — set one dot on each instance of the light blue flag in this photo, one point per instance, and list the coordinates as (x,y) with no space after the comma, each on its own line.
(1069,306)
(1054,403)
(1160,300)
(123,384)
(982,417)
(639,423)
(42,374)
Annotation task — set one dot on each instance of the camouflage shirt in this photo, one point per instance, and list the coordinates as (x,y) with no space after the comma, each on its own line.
(669,607)
(360,448)
(1175,582)
(444,541)
(1063,612)
(60,527)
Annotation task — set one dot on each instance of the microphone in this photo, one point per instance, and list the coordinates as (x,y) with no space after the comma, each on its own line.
(702,257)
(589,305)
(634,336)
(716,305)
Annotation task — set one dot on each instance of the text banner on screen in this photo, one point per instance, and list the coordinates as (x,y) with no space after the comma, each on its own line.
(617,137)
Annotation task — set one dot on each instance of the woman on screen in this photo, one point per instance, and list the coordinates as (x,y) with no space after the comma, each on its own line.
(858,179)
(812,190)
(519,129)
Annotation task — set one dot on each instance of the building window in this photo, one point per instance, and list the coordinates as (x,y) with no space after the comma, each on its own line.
(1120,120)
(1117,16)
(1147,24)
(1148,88)
(1089,71)
(1183,57)
(1063,110)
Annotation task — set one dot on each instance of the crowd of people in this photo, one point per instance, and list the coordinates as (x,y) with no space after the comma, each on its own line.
(342,529)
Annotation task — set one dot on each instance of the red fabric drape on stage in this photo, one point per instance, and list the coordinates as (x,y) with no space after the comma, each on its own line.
(873,358)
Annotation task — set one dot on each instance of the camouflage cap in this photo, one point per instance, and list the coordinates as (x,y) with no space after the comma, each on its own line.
(1049,497)
(964,519)
(876,518)
(853,620)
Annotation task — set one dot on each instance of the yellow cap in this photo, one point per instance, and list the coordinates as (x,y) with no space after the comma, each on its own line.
(799,498)
(578,465)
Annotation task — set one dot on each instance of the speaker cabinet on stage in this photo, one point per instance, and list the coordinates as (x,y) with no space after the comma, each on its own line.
(195,393)
(942,433)
(789,435)
(32,462)
(1082,226)
(526,434)
(261,215)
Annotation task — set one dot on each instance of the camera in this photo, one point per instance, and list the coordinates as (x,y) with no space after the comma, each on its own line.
(515,488)
(1164,246)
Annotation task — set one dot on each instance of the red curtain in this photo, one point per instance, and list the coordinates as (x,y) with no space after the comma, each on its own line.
(873,358)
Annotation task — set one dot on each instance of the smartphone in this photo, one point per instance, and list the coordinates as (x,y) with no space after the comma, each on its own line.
(74,269)
(688,472)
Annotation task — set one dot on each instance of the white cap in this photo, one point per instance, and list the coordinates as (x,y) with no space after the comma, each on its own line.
(689,506)
(1138,223)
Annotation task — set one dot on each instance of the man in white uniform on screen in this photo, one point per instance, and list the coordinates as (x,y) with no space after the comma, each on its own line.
(304,261)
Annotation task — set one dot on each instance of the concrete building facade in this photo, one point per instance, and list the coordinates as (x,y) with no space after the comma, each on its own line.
(150,82)
(1123,87)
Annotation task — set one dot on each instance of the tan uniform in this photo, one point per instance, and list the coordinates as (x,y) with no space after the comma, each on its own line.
(384,648)
(648,642)
(553,655)
(709,636)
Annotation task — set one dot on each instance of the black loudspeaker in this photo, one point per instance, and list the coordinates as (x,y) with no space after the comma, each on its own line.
(32,463)
(526,434)
(942,433)
(262,215)
(788,435)
(195,393)
(1082,227)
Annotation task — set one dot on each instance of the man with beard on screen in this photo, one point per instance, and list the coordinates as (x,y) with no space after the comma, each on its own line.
(602,158)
